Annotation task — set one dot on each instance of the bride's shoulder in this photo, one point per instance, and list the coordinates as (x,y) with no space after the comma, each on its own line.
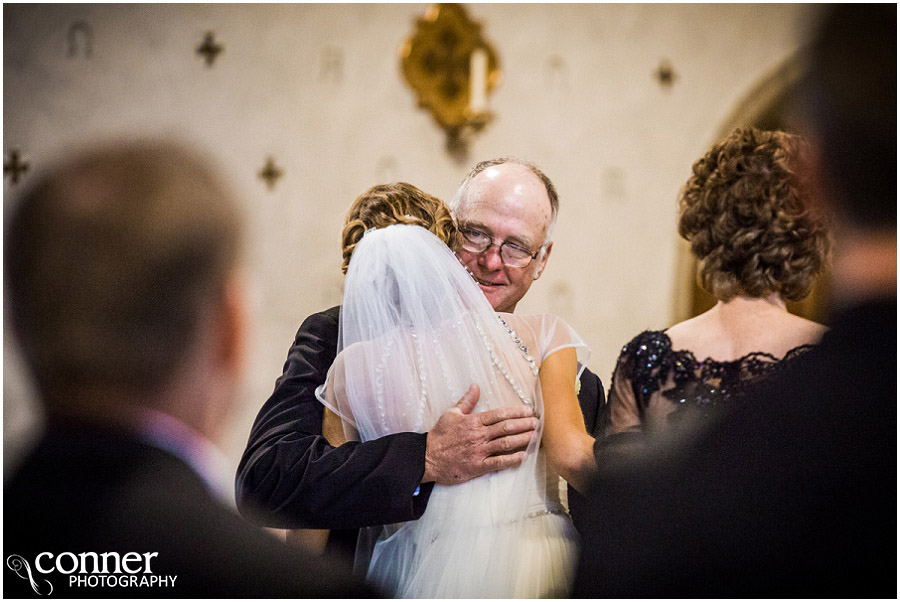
(548,329)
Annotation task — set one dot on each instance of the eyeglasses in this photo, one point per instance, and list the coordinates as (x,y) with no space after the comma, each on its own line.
(512,254)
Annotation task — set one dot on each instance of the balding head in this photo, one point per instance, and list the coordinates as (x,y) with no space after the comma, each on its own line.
(509,172)
(513,203)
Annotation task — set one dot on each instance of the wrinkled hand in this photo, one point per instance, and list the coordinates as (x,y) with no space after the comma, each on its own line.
(462,446)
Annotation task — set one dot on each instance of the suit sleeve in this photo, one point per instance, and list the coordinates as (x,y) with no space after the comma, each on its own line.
(593,403)
(290,477)
(593,407)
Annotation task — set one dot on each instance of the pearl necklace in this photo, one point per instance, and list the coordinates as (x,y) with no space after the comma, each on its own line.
(522,346)
(499,365)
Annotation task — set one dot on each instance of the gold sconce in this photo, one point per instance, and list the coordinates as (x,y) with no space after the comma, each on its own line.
(452,70)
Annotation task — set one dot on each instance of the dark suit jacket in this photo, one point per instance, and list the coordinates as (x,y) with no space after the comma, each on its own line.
(290,476)
(793,493)
(90,489)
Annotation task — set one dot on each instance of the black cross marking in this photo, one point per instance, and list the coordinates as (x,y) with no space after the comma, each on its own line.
(209,48)
(14,167)
(665,74)
(271,173)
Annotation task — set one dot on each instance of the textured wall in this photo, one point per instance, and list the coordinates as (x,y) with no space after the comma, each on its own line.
(318,88)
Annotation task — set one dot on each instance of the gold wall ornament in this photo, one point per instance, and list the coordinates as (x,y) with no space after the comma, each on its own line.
(452,70)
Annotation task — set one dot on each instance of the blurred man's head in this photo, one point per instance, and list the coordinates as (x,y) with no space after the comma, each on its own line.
(505,210)
(848,108)
(119,270)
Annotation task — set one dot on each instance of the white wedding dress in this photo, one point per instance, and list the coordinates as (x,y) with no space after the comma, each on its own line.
(416,331)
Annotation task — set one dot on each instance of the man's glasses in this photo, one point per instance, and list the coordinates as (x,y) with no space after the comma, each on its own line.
(512,254)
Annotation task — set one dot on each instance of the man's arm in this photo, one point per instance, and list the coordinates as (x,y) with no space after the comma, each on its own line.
(593,403)
(290,477)
(593,408)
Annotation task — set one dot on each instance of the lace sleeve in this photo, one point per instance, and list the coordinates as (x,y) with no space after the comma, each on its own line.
(640,371)
(624,412)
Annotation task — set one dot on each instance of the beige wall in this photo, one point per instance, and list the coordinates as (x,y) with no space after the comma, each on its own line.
(616,143)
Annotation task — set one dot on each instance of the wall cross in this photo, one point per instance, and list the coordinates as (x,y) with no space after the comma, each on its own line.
(271,173)
(209,49)
(15,167)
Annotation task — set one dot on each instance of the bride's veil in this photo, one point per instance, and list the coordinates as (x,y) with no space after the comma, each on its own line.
(415,332)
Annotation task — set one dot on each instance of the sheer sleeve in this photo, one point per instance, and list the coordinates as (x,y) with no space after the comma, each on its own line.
(644,365)
(333,395)
(553,334)
(624,412)
(568,445)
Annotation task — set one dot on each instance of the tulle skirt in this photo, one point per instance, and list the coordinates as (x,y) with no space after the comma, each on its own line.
(530,557)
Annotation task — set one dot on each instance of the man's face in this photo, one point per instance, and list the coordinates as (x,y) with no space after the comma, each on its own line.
(510,204)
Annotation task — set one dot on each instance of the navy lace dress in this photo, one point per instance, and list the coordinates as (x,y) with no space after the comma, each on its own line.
(654,385)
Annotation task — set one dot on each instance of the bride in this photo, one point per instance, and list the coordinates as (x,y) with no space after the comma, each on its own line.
(415,333)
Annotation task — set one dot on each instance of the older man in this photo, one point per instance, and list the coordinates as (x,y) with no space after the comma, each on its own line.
(506,210)
(122,275)
(290,476)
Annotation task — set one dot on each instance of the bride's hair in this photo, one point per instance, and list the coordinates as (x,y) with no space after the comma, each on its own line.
(398,203)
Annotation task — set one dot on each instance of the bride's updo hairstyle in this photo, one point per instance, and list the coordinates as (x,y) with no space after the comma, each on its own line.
(747,220)
(398,203)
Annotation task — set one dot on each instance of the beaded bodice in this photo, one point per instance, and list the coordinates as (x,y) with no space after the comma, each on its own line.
(661,381)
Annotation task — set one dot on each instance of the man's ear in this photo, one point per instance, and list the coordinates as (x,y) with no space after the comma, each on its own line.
(233,340)
(542,259)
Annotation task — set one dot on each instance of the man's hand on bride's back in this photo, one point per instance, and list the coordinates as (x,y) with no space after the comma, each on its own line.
(462,445)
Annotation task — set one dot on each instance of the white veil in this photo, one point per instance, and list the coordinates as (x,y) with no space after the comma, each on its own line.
(415,333)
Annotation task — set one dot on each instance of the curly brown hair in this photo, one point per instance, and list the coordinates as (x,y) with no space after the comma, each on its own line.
(748,220)
(397,203)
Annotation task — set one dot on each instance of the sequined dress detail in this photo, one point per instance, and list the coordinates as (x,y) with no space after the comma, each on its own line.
(654,385)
